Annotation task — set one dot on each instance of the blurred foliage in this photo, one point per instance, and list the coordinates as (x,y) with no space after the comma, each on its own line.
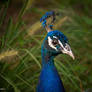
(21,37)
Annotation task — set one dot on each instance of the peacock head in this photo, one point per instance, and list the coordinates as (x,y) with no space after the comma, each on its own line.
(56,43)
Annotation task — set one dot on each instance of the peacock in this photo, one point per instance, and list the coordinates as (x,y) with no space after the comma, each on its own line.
(54,43)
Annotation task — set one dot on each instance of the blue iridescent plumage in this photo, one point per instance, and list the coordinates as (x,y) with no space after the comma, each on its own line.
(54,43)
(45,17)
(48,14)
(49,77)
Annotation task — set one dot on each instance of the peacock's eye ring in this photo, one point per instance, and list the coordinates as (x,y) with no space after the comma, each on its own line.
(55,42)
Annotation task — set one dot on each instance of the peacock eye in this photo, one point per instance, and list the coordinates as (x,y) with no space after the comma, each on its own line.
(55,42)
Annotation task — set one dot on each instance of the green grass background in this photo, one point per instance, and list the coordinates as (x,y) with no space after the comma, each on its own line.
(21,36)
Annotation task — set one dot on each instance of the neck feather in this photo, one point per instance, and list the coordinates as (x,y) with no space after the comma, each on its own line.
(49,78)
(47,59)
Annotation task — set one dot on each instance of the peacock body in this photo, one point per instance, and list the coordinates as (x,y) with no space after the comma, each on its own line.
(54,43)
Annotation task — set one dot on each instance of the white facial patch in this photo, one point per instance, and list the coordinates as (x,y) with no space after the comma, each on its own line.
(61,45)
(50,43)
(65,49)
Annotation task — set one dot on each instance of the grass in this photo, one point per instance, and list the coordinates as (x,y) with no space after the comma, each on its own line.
(20,68)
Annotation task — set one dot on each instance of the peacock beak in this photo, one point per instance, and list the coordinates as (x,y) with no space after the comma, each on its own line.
(70,53)
(66,50)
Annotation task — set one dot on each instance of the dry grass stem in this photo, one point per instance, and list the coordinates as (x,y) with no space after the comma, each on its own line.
(60,22)
(35,27)
(8,54)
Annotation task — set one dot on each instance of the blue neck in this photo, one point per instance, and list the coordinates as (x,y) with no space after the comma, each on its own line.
(49,77)
(47,60)
(47,57)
